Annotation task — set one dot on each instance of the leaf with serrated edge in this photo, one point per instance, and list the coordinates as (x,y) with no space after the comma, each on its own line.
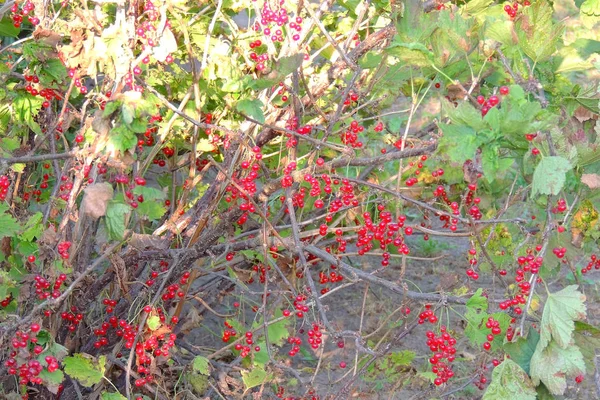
(153,322)
(553,364)
(561,311)
(86,369)
(509,381)
(201,365)
(254,378)
(550,175)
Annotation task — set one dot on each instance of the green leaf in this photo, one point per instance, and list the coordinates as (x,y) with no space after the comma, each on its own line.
(492,164)
(112,396)
(33,228)
(591,8)
(587,338)
(543,393)
(454,134)
(9,144)
(26,108)
(153,322)
(149,193)
(54,69)
(465,114)
(476,316)
(122,138)
(575,56)
(478,301)
(261,358)
(111,107)
(8,225)
(201,365)
(561,310)
(550,175)
(115,219)
(414,54)
(288,65)
(18,167)
(127,113)
(151,209)
(251,108)
(86,369)
(254,377)
(509,381)
(278,331)
(521,350)
(8,29)
(553,364)
(52,380)
(499,30)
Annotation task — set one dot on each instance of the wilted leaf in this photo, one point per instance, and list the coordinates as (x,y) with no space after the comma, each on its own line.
(145,241)
(96,198)
(553,364)
(509,381)
(591,180)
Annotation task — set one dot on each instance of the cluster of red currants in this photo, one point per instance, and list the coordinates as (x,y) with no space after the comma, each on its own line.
(561,206)
(42,284)
(72,317)
(350,135)
(472,262)
(443,348)
(110,305)
(351,99)
(493,101)
(228,332)
(63,249)
(25,11)
(47,94)
(594,262)
(296,342)
(511,9)
(300,306)
(292,124)
(4,185)
(23,361)
(386,232)
(427,316)
(315,337)
(495,330)
(147,351)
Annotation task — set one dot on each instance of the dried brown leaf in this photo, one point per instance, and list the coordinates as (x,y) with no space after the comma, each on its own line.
(96,199)
(583,114)
(591,180)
